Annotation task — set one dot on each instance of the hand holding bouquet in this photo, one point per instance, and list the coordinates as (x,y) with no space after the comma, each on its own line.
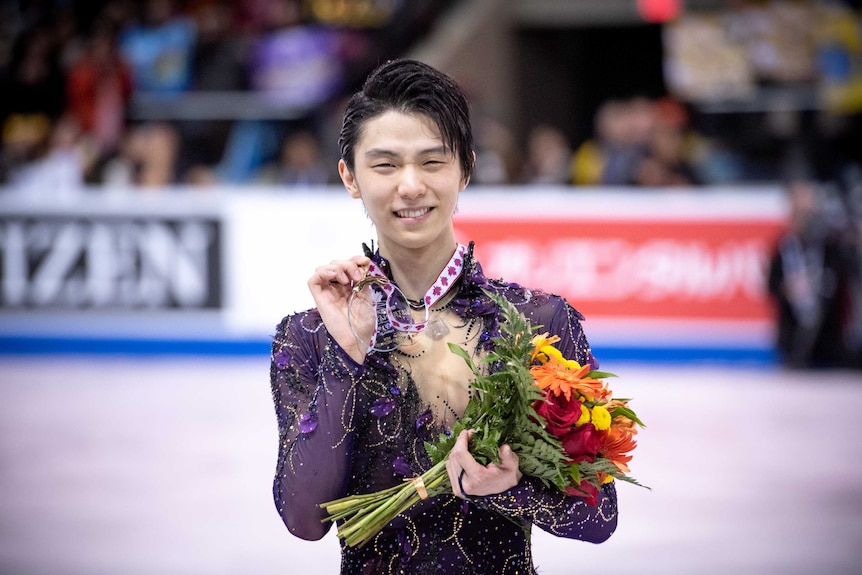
(559,418)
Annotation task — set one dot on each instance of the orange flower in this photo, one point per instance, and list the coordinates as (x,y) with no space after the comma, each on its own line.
(563,381)
(621,420)
(616,443)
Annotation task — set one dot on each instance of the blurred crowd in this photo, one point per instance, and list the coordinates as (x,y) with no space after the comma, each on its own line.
(88,87)
(636,142)
(84,85)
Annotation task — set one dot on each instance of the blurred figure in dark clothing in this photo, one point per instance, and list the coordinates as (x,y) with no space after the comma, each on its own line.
(811,277)
(665,161)
(98,88)
(300,163)
(32,97)
(549,157)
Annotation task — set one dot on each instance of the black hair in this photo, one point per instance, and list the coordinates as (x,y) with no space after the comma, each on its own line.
(411,87)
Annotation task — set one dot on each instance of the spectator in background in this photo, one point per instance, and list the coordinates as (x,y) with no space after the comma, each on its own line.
(590,159)
(629,126)
(495,153)
(25,139)
(34,85)
(98,88)
(147,158)
(32,97)
(294,64)
(160,48)
(548,157)
(811,276)
(300,163)
(57,172)
(665,160)
(638,142)
(221,51)
(623,129)
(220,65)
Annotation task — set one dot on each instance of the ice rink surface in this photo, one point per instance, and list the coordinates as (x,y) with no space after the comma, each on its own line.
(150,466)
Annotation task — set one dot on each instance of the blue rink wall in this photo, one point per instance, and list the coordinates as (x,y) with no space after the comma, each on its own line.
(608,354)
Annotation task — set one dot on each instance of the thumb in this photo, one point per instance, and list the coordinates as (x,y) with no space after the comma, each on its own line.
(508,456)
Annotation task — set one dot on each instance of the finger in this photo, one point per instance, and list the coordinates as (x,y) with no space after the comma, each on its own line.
(327,274)
(510,461)
(344,272)
(460,454)
(453,470)
(458,462)
(361,263)
(354,269)
(508,458)
(459,480)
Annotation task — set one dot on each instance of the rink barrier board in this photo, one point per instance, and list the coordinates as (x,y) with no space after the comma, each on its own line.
(656,272)
(90,347)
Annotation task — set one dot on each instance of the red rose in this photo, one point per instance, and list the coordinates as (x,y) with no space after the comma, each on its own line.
(586,490)
(560,413)
(582,443)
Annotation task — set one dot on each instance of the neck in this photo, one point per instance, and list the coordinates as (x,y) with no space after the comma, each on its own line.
(415,271)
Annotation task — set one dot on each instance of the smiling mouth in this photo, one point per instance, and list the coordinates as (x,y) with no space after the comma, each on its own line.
(415,213)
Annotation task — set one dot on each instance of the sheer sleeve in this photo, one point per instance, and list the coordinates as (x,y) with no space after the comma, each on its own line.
(313,389)
(559,514)
(565,321)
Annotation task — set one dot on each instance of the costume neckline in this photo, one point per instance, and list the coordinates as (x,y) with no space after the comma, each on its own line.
(445,281)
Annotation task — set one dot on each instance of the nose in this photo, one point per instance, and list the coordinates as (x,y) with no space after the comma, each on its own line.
(410,184)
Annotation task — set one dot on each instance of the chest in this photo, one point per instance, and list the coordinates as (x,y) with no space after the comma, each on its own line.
(441,378)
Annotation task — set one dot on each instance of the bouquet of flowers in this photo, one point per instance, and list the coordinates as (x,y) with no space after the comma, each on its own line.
(559,417)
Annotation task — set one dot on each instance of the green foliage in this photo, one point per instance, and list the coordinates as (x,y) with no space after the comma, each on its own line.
(501,412)
(626,412)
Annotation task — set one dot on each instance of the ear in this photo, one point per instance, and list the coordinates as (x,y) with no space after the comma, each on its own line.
(466,181)
(348,179)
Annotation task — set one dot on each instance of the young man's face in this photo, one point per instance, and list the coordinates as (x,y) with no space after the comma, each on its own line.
(407,180)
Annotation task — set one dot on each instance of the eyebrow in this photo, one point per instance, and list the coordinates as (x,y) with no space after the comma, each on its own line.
(383,152)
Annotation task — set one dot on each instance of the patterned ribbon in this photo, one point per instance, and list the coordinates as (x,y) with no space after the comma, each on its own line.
(447,278)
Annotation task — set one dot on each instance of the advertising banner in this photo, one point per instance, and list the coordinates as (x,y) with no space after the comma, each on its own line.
(649,268)
(109,262)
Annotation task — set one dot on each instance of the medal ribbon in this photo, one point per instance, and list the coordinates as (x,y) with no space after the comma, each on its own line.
(447,278)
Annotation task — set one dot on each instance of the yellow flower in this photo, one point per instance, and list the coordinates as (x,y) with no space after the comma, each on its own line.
(601,418)
(539,342)
(585,415)
(553,353)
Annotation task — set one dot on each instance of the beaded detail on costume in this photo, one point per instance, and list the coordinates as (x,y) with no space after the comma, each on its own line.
(346,428)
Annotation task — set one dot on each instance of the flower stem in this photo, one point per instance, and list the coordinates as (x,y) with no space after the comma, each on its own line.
(365,515)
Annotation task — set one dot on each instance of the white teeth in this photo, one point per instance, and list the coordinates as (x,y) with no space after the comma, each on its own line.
(412,213)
